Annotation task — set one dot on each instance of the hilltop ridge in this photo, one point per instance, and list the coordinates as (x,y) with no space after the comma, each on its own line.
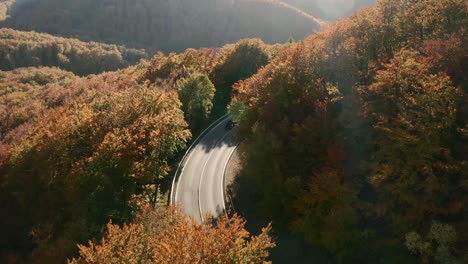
(166,26)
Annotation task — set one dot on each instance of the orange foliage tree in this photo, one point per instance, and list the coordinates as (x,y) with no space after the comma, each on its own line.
(167,236)
(358,133)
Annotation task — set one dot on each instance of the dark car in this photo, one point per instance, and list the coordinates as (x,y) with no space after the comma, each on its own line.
(230,124)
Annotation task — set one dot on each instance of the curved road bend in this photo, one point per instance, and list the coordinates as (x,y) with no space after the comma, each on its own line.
(200,187)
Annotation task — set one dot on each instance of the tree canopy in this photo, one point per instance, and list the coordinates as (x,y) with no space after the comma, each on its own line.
(167,236)
(196,93)
(356,138)
(76,152)
(157,25)
(30,49)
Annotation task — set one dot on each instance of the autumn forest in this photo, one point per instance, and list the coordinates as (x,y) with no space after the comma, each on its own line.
(352,129)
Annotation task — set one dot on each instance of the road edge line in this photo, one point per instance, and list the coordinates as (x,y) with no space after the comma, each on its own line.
(173,195)
(203,171)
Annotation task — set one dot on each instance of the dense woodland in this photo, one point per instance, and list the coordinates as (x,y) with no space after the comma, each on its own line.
(357,138)
(31,49)
(76,152)
(161,25)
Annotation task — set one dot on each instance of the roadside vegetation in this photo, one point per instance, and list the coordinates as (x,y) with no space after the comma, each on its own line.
(354,140)
(357,138)
(166,236)
(76,152)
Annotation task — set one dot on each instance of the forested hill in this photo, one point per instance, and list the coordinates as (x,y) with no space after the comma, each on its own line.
(164,25)
(77,152)
(31,49)
(357,137)
(331,10)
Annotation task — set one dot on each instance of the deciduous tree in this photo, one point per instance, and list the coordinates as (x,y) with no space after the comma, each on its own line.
(167,236)
(196,93)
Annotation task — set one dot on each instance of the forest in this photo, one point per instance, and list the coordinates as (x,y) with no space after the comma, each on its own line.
(357,138)
(160,25)
(78,152)
(354,139)
(30,49)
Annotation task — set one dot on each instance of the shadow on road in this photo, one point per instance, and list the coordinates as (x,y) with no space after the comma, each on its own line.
(218,137)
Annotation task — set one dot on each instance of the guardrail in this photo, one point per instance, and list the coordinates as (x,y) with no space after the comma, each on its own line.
(182,161)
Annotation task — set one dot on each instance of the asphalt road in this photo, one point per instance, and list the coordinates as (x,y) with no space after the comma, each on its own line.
(200,186)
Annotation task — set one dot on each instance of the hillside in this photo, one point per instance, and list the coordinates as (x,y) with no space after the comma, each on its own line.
(331,10)
(78,152)
(357,137)
(353,141)
(164,25)
(31,49)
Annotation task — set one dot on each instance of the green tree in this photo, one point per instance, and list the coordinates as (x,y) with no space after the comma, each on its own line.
(247,57)
(437,245)
(238,110)
(196,93)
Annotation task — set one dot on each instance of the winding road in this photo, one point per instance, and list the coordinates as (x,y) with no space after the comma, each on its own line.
(199,188)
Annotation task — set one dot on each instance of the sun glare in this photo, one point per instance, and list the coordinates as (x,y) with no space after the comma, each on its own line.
(335,8)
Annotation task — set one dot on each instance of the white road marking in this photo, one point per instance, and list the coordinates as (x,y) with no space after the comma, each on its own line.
(203,172)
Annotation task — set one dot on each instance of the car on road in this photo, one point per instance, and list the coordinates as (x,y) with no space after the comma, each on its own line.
(230,124)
